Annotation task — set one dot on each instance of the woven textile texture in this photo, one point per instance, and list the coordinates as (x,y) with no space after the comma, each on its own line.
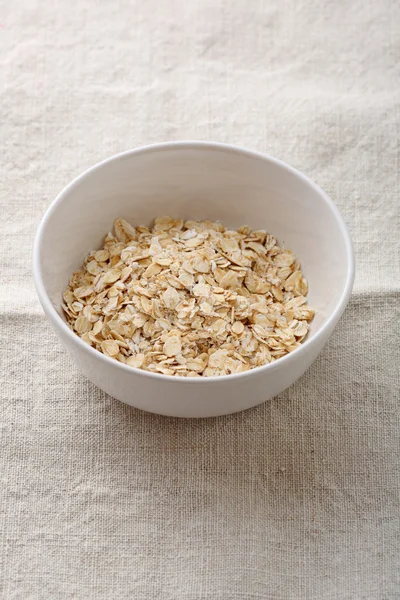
(296,499)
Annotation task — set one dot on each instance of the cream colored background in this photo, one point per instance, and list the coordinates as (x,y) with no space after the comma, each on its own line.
(298,498)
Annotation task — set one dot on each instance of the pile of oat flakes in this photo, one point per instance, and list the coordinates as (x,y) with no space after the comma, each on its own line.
(189,298)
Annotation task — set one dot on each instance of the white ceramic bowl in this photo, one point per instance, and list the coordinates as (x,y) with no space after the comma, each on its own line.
(196,180)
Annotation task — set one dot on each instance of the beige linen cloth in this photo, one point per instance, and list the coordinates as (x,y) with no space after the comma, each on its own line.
(295,499)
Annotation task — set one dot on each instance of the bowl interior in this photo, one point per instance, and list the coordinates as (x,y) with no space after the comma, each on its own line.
(199,181)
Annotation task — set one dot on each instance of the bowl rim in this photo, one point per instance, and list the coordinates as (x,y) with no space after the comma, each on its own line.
(287,360)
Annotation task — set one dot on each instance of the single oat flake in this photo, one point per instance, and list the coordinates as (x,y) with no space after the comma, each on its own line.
(189,299)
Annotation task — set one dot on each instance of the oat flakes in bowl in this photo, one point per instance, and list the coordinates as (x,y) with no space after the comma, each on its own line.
(199,181)
(189,298)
